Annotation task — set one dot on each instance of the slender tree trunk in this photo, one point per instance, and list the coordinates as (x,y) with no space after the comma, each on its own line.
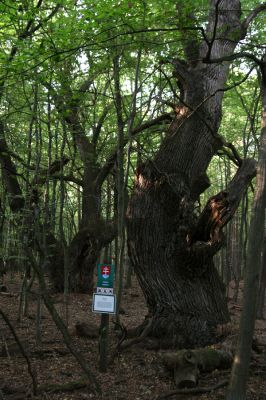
(262,289)
(236,256)
(239,375)
(120,176)
(94,234)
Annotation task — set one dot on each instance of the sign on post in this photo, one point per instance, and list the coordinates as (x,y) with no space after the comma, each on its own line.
(106,275)
(103,304)
(104,301)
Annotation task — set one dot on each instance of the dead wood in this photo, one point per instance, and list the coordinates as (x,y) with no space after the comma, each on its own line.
(125,344)
(83,329)
(66,387)
(139,339)
(7,294)
(14,393)
(32,373)
(60,324)
(5,389)
(187,364)
(17,396)
(47,353)
(20,392)
(208,359)
(198,390)
(13,349)
(14,390)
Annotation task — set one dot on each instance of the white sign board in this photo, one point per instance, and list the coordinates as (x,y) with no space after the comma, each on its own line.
(103,304)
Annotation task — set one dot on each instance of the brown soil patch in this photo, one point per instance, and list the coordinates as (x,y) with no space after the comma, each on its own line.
(137,374)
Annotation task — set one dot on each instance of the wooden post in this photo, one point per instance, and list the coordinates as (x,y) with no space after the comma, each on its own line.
(103,343)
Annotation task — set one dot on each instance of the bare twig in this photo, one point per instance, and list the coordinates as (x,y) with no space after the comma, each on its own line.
(252,15)
(23,352)
(60,324)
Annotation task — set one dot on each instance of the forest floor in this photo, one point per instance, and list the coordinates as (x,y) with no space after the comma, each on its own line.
(137,374)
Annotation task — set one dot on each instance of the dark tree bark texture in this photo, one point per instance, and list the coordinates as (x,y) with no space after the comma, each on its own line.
(94,233)
(262,289)
(84,253)
(171,247)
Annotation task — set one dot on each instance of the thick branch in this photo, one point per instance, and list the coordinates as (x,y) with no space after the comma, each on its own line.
(84,87)
(68,107)
(98,128)
(189,38)
(221,207)
(251,16)
(55,167)
(232,57)
(29,32)
(181,71)
(65,178)
(106,168)
(211,42)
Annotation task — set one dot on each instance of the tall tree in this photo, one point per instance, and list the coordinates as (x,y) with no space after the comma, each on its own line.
(171,247)
(237,388)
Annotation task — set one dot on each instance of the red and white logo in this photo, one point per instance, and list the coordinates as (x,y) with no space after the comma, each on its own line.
(105,271)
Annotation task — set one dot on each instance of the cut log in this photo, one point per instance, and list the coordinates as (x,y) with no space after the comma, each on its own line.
(187,364)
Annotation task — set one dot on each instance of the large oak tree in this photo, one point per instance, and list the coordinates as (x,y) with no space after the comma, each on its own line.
(171,247)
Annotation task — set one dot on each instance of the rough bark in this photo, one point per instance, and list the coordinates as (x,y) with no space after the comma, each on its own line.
(94,233)
(262,289)
(84,251)
(9,173)
(239,375)
(171,248)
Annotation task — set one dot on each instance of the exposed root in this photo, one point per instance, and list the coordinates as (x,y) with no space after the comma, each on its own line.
(122,344)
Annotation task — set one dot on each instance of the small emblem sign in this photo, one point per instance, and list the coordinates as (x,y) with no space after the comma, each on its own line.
(105,275)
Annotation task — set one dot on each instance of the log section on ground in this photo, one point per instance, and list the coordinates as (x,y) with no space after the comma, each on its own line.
(187,364)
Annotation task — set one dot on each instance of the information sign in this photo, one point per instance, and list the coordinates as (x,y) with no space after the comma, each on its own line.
(103,304)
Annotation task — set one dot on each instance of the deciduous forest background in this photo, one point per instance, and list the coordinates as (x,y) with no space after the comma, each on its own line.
(133,133)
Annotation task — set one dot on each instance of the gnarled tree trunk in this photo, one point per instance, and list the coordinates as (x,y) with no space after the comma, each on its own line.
(171,247)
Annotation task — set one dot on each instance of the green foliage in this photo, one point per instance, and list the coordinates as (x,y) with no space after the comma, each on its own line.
(77,44)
